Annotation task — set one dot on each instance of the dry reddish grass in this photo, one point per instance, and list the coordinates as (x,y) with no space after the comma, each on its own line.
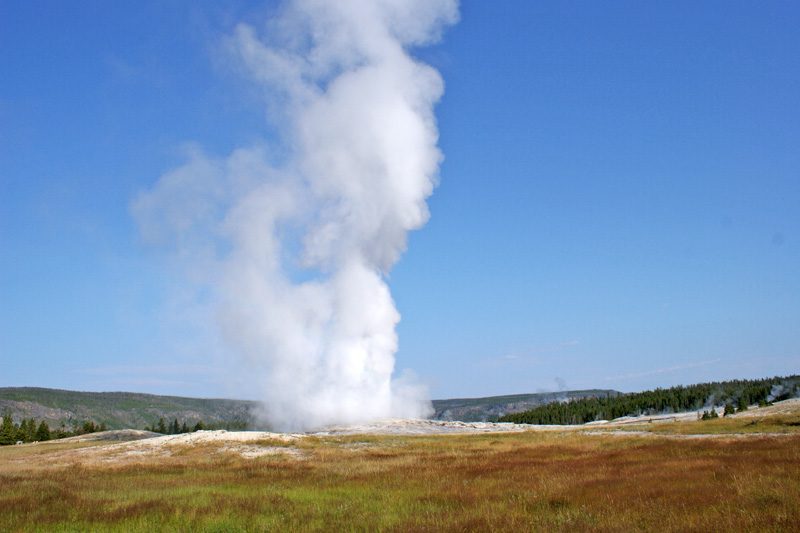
(509,482)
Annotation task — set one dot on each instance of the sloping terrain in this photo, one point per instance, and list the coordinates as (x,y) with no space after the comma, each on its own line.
(737,473)
(119,410)
(492,407)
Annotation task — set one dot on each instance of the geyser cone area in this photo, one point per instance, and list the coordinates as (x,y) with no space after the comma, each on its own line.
(291,251)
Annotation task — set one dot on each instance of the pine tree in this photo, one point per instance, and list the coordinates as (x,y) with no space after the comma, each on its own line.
(22,431)
(43,432)
(7,430)
(162,426)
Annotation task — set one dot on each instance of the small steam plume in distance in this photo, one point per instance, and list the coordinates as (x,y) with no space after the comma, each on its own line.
(294,248)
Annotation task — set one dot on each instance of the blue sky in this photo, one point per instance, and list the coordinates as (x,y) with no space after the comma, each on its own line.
(617,208)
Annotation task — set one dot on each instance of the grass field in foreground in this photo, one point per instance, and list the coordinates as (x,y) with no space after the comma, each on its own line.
(499,482)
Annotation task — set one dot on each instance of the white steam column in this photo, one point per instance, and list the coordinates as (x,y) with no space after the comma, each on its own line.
(294,253)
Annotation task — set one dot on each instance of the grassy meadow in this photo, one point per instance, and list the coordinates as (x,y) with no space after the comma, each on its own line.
(531,481)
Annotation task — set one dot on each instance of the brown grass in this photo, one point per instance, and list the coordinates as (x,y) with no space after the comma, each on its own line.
(501,482)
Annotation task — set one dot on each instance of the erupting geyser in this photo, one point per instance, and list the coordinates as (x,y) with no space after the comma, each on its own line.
(294,252)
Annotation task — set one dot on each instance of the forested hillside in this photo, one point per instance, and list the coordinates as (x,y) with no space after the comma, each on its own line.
(119,410)
(69,412)
(736,394)
(492,407)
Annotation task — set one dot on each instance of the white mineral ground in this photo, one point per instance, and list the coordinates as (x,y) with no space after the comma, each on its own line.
(138,445)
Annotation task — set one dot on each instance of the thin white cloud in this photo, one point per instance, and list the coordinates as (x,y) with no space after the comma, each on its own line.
(664,370)
(141,383)
(159,370)
(529,356)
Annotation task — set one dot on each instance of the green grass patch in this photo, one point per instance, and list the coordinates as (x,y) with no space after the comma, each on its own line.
(532,481)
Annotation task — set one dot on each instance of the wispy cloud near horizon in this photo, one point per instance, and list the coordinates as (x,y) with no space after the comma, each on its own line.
(664,370)
(530,352)
(530,356)
(149,379)
(132,370)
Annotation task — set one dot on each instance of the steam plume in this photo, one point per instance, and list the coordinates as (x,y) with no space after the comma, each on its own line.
(294,243)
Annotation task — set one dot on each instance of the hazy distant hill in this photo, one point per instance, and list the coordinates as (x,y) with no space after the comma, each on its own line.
(119,410)
(483,409)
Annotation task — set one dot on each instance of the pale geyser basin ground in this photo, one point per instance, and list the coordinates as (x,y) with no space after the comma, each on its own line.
(130,445)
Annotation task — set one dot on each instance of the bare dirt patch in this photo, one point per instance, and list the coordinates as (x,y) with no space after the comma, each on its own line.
(122,446)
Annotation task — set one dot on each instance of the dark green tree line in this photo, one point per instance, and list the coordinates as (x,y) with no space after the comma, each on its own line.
(27,430)
(175,428)
(739,393)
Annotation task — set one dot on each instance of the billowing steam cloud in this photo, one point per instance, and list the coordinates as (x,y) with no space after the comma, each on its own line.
(293,243)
